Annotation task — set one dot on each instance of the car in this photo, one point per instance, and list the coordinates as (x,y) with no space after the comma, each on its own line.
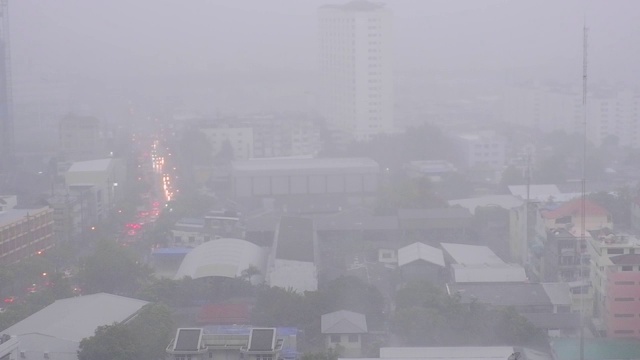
(9,300)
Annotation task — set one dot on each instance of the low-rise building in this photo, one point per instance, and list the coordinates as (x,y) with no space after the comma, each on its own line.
(419,261)
(546,305)
(24,232)
(195,344)
(615,278)
(55,332)
(344,330)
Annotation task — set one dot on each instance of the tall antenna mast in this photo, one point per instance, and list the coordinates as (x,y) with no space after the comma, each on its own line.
(584,177)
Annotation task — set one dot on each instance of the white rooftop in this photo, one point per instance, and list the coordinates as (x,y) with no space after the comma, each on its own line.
(91,165)
(221,257)
(471,254)
(559,293)
(76,318)
(420,251)
(488,273)
(503,201)
(343,322)
(13,215)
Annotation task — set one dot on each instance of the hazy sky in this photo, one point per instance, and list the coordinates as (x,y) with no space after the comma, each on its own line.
(143,45)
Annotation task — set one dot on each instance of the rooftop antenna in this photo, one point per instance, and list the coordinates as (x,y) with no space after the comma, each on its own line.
(585,31)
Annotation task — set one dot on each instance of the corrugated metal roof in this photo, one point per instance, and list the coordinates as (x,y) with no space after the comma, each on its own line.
(488,273)
(343,322)
(420,251)
(77,318)
(471,254)
(90,165)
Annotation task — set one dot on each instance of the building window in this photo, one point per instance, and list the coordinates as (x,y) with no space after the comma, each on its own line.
(192,239)
(623,315)
(624,299)
(335,338)
(627,268)
(624,283)
(353,338)
(623,332)
(210,354)
(615,251)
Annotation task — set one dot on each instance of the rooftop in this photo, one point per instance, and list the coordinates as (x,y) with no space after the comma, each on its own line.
(289,164)
(343,322)
(502,294)
(574,208)
(596,349)
(439,213)
(295,239)
(503,201)
(471,254)
(77,318)
(488,273)
(10,216)
(420,251)
(91,165)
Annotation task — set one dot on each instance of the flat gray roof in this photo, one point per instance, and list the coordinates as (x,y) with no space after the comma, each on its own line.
(322,164)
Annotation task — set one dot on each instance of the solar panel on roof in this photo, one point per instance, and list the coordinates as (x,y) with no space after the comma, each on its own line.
(261,340)
(187,340)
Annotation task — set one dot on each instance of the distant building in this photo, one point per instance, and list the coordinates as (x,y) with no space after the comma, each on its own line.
(80,138)
(344,329)
(102,177)
(483,152)
(289,182)
(613,113)
(239,140)
(479,264)
(23,232)
(434,170)
(356,64)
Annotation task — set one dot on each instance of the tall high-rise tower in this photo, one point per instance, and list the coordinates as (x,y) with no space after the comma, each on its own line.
(356,94)
(6,113)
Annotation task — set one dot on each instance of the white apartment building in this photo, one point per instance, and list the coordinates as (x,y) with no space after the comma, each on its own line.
(240,139)
(483,149)
(609,112)
(356,94)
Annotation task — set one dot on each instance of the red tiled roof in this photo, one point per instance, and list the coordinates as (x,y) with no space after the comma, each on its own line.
(224,314)
(574,208)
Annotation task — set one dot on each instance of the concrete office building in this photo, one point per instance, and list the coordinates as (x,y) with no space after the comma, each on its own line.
(356,90)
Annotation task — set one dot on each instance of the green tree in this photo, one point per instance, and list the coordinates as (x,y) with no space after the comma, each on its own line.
(144,337)
(110,342)
(152,329)
(352,293)
(112,269)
